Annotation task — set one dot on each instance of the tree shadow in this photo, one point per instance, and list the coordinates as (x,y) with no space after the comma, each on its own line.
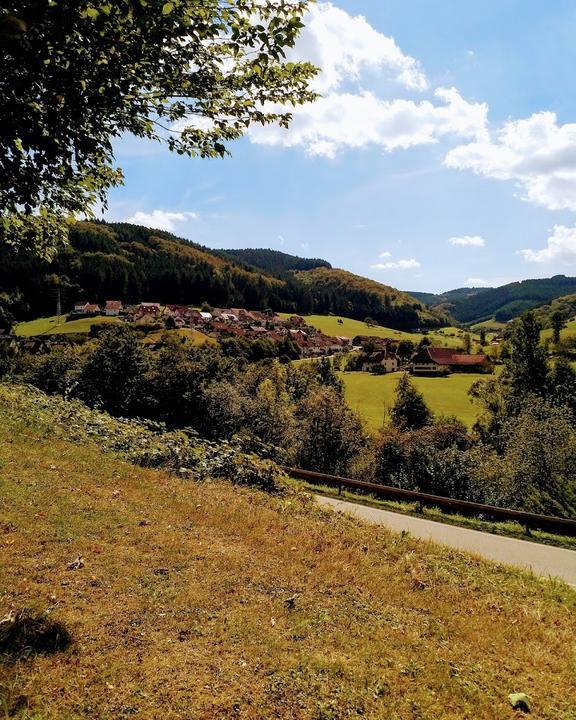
(24,633)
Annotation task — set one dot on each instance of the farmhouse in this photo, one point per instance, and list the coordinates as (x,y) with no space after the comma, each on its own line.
(381,359)
(112,308)
(434,360)
(86,308)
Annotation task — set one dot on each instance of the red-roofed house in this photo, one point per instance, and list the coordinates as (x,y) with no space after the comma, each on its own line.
(381,359)
(431,360)
(112,308)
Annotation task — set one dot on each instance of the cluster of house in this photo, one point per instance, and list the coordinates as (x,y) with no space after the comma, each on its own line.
(222,323)
(426,361)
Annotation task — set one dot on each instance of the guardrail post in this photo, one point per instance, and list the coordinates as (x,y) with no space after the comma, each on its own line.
(339,488)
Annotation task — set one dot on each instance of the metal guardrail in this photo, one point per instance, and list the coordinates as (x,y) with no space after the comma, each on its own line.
(531,521)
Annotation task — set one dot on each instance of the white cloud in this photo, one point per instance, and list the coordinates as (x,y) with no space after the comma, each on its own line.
(346,120)
(385,254)
(560,248)
(477,282)
(536,152)
(397,265)
(345,46)
(348,49)
(467,241)
(161,219)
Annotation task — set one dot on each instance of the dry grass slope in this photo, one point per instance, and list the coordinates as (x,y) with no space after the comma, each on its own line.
(207,601)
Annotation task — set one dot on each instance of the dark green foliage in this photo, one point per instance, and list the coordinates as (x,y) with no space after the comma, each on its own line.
(327,376)
(526,366)
(342,293)
(409,411)
(57,372)
(330,434)
(557,322)
(405,349)
(562,383)
(112,376)
(432,459)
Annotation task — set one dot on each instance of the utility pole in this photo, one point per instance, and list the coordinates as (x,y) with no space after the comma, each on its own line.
(58,307)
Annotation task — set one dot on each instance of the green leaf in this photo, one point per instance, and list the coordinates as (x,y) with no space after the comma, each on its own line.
(520,701)
(167,8)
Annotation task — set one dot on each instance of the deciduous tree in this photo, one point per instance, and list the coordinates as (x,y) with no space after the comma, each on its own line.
(76,74)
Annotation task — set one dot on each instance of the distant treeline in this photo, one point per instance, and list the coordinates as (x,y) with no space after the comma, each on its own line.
(134,263)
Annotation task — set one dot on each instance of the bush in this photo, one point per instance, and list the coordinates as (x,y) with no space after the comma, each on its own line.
(146,444)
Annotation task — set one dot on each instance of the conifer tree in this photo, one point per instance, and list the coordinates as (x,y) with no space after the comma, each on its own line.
(410,411)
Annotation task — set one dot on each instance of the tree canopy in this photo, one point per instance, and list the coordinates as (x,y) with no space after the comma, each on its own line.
(76,74)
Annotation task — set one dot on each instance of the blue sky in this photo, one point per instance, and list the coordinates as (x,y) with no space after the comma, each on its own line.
(443,152)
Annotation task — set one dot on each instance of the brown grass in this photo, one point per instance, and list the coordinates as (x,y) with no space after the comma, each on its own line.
(208,601)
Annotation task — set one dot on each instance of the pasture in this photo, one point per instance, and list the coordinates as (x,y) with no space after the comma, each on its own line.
(331,325)
(372,396)
(568,331)
(50,326)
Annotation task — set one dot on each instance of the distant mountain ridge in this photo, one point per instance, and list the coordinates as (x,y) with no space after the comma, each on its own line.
(469,305)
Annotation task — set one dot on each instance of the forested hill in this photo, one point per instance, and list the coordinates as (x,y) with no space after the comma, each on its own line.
(450,297)
(134,263)
(501,303)
(272,262)
(346,292)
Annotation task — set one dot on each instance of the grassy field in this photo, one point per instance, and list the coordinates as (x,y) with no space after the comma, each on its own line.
(371,395)
(49,326)
(488,325)
(329,325)
(568,331)
(184,600)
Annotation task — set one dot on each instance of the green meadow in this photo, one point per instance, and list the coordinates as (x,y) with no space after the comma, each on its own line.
(331,325)
(372,396)
(568,331)
(50,326)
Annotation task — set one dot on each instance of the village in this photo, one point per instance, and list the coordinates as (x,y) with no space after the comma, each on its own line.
(377,354)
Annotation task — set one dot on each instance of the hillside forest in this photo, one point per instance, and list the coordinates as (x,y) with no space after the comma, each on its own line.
(133,263)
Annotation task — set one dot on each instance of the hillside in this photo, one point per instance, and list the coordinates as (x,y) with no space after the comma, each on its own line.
(273,262)
(565,305)
(358,297)
(166,598)
(134,263)
(473,305)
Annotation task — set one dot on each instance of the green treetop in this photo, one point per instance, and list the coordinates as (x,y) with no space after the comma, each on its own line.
(76,74)
(526,365)
(409,411)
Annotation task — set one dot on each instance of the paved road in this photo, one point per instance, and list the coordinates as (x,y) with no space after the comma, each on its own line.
(543,560)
